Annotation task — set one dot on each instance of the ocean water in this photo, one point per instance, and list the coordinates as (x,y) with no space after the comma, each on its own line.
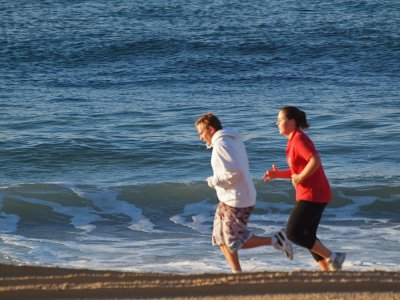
(101,166)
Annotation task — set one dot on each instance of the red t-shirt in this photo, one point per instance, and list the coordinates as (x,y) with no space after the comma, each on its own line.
(315,188)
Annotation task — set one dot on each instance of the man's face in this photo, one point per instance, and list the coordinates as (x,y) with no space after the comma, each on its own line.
(205,134)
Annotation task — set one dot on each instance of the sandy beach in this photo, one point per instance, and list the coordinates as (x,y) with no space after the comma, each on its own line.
(29,282)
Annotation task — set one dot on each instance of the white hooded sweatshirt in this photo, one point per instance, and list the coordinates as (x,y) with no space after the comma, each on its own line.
(232,179)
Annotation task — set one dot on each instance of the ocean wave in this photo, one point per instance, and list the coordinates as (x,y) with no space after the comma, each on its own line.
(149,207)
(152,227)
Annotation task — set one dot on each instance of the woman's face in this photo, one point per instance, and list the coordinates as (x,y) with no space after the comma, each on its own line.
(285,126)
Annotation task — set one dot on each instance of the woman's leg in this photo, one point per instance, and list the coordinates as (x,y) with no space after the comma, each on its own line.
(302,229)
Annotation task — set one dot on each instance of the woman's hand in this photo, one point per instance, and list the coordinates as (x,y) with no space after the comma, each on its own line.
(296,179)
(312,166)
(271,174)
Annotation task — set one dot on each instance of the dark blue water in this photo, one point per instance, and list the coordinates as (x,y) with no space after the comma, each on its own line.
(98,102)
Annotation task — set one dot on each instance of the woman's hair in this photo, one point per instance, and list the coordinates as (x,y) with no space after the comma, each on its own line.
(208,119)
(292,112)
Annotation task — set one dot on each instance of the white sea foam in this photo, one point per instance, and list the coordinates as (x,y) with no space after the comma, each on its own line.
(180,255)
(108,203)
(197,216)
(81,217)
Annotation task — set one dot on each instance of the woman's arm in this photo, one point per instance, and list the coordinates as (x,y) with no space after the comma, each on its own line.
(312,166)
(276,173)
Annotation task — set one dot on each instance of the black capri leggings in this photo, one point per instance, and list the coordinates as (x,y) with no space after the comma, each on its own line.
(303,224)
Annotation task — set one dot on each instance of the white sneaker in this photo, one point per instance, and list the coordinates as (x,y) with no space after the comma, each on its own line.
(335,263)
(283,244)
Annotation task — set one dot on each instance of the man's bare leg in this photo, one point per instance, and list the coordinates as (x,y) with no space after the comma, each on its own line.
(232,258)
(257,241)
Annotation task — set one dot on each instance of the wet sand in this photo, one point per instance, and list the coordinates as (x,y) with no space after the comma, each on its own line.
(29,282)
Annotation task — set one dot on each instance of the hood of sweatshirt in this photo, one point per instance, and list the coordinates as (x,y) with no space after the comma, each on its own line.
(233,134)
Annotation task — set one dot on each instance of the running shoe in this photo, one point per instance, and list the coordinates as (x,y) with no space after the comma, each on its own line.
(335,263)
(283,244)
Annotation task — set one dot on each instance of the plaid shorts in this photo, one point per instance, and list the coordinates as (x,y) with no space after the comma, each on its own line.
(230,226)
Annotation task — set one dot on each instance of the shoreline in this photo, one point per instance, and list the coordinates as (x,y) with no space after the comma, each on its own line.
(33,282)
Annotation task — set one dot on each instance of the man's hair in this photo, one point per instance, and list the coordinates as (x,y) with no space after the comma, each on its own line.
(208,119)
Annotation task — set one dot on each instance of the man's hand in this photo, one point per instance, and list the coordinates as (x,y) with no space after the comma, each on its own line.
(210,182)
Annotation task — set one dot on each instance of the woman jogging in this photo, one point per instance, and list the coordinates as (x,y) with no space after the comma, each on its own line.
(313,192)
